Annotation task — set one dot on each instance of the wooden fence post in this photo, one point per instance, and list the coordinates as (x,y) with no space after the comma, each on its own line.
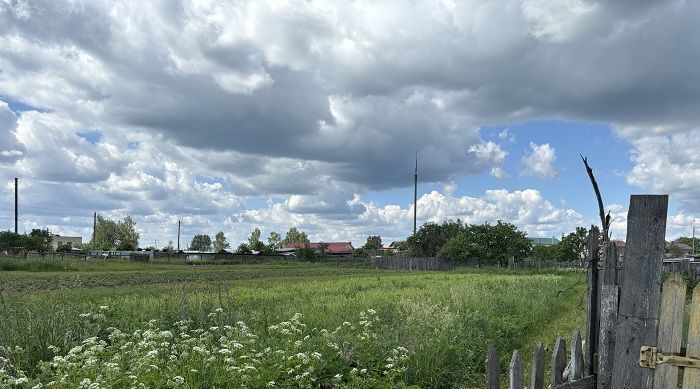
(592,308)
(558,362)
(493,369)
(638,313)
(670,329)
(537,378)
(608,316)
(576,371)
(516,375)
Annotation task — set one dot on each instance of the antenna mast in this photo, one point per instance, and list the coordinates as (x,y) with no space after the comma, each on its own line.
(415,194)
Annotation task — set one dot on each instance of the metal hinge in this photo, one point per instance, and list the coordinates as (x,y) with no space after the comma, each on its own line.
(650,357)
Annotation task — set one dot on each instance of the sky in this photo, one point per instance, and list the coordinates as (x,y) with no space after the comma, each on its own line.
(232,115)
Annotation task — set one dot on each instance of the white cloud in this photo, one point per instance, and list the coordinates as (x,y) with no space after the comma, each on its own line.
(558,20)
(668,164)
(527,209)
(540,163)
(488,154)
(206,108)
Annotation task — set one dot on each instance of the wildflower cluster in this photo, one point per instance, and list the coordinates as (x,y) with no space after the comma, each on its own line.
(222,355)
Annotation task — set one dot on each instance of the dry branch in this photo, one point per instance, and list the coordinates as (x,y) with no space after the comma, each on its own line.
(604,220)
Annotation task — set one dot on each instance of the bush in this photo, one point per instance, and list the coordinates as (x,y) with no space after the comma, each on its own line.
(289,354)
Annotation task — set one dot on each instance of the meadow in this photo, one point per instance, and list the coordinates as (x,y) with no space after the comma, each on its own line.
(279,324)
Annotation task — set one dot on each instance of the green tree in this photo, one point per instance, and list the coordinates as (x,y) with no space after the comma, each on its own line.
(374,242)
(127,235)
(254,238)
(689,242)
(573,246)
(115,235)
(274,241)
(12,243)
(41,240)
(169,247)
(360,253)
(490,243)
(322,249)
(64,248)
(306,253)
(201,243)
(546,252)
(430,237)
(295,236)
(673,250)
(243,249)
(220,243)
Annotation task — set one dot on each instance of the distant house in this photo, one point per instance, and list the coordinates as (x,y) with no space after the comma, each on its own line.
(394,247)
(334,248)
(72,241)
(544,241)
(682,247)
(619,244)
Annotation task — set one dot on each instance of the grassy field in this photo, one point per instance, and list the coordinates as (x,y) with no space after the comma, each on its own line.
(119,324)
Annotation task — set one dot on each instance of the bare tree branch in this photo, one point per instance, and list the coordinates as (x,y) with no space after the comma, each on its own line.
(604,221)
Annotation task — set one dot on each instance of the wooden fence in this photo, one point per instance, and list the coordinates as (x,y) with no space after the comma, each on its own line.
(634,328)
(685,267)
(563,374)
(542,264)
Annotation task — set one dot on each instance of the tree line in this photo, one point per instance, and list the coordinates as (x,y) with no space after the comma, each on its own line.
(450,240)
(458,241)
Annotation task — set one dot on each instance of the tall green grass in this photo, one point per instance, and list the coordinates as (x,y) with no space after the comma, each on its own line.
(445,320)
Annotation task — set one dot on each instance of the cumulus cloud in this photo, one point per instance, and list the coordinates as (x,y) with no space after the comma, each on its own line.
(526,208)
(11,149)
(206,108)
(668,164)
(488,154)
(540,162)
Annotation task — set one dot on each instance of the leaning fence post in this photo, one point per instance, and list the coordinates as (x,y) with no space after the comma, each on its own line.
(537,378)
(558,362)
(516,374)
(493,369)
(638,312)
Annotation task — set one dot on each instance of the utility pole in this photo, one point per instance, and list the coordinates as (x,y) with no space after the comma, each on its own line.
(693,238)
(94,228)
(178,235)
(16,208)
(415,194)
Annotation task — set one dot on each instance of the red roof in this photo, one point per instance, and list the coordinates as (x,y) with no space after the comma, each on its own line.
(333,247)
(619,244)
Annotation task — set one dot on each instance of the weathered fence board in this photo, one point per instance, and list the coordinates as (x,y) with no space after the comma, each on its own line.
(638,312)
(592,308)
(493,369)
(670,334)
(516,374)
(564,375)
(685,266)
(537,378)
(558,361)
(608,316)
(576,371)
(691,377)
